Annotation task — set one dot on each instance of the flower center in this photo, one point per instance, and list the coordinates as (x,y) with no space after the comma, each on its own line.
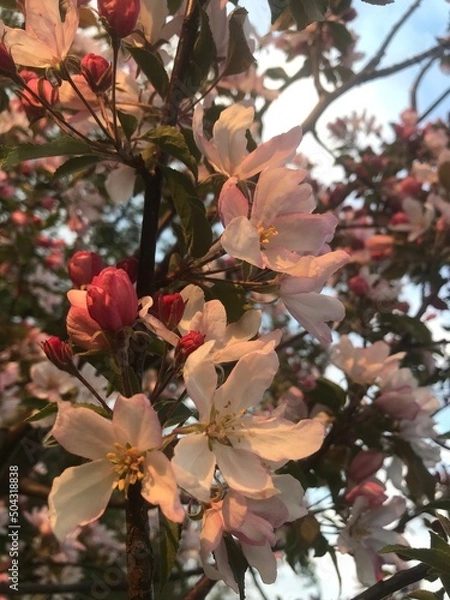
(265,233)
(128,464)
(220,428)
(358,531)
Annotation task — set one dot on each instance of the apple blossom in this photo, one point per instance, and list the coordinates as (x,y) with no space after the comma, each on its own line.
(46,39)
(227,150)
(240,443)
(123,451)
(280,228)
(365,534)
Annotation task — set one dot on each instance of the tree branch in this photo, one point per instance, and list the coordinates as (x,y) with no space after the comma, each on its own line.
(395,583)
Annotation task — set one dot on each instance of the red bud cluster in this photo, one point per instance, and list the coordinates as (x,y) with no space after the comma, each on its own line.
(97,71)
(188,344)
(59,353)
(168,308)
(120,16)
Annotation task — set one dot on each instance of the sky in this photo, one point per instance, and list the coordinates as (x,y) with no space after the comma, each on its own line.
(386,98)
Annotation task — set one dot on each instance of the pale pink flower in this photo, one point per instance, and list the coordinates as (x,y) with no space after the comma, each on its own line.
(419,217)
(48,382)
(301,294)
(253,523)
(364,365)
(239,443)
(46,39)
(398,389)
(365,534)
(227,150)
(123,451)
(280,227)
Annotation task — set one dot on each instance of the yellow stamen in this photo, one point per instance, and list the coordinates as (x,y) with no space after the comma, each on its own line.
(128,464)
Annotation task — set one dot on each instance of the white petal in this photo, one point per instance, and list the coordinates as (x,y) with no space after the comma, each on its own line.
(79,496)
(83,432)
(232,202)
(120,184)
(263,559)
(229,136)
(193,464)
(275,187)
(159,486)
(201,380)
(247,382)
(244,472)
(136,422)
(195,300)
(241,240)
(277,151)
(280,440)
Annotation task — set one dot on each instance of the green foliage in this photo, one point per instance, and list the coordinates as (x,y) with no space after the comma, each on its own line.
(168,542)
(151,65)
(172,141)
(239,57)
(61,146)
(202,57)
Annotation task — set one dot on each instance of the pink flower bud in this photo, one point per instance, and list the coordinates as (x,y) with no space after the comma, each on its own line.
(111,300)
(19,218)
(120,15)
(83,266)
(39,90)
(130,265)
(97,71)
(400,218)
(365,464)
(168,308)
(188,344)
(372,491)
(359,286)
(59,353)
(410,187)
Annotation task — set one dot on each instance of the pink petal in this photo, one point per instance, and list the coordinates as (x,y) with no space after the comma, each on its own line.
(201,380)
(244,472)
(232,202)
(241,240)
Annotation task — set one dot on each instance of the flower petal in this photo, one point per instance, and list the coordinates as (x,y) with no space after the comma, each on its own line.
(194,464)
(136,422)
(80,496)
(200,379)
(241,240)
(159,486)
(244,472)
(232,202)
(247,382)
(83,432)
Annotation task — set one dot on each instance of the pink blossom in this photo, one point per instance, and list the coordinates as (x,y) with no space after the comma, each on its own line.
(83,266)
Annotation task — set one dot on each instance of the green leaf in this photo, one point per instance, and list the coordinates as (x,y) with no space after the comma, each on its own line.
(171,140)
(305,12)
(62,146)
(277,73)
(342,38)
(239,57)
(437,559)
(128,122)
(419,480)
(73,165)
(169,540)
(151,65)
(238,563)
(445,524)
(423,595)
(403,324)
(328,393)
(203,56)
(47,411)
(190,209)
(232,296)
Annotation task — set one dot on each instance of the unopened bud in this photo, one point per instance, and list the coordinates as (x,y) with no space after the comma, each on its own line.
(130,265)
(97,71)
(168,308)
(59,353)
(39,92)
(359,286)
(365,464)
(400,218)
(84,266)
(188,344)
(120,15)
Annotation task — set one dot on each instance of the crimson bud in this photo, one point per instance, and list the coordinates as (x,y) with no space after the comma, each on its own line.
(83,266)
(120,16)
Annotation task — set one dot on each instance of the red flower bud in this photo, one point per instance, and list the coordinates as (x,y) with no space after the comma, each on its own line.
(168,308)
(97,71)
(120,15)
(7,65)
(400,218)
(130,265)
(365,464)
(83,266)
(59,353)
(358,285)
(112,300)
(188,344)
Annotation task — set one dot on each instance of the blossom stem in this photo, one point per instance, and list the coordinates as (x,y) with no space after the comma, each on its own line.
(93,391)
(139,550)
(395,583)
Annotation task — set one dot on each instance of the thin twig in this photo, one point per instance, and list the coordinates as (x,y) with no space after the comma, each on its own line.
(394,584)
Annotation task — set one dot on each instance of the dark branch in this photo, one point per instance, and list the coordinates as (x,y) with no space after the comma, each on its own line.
(395,583)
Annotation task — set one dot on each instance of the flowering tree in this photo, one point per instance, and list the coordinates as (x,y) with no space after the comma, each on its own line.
(176,421)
